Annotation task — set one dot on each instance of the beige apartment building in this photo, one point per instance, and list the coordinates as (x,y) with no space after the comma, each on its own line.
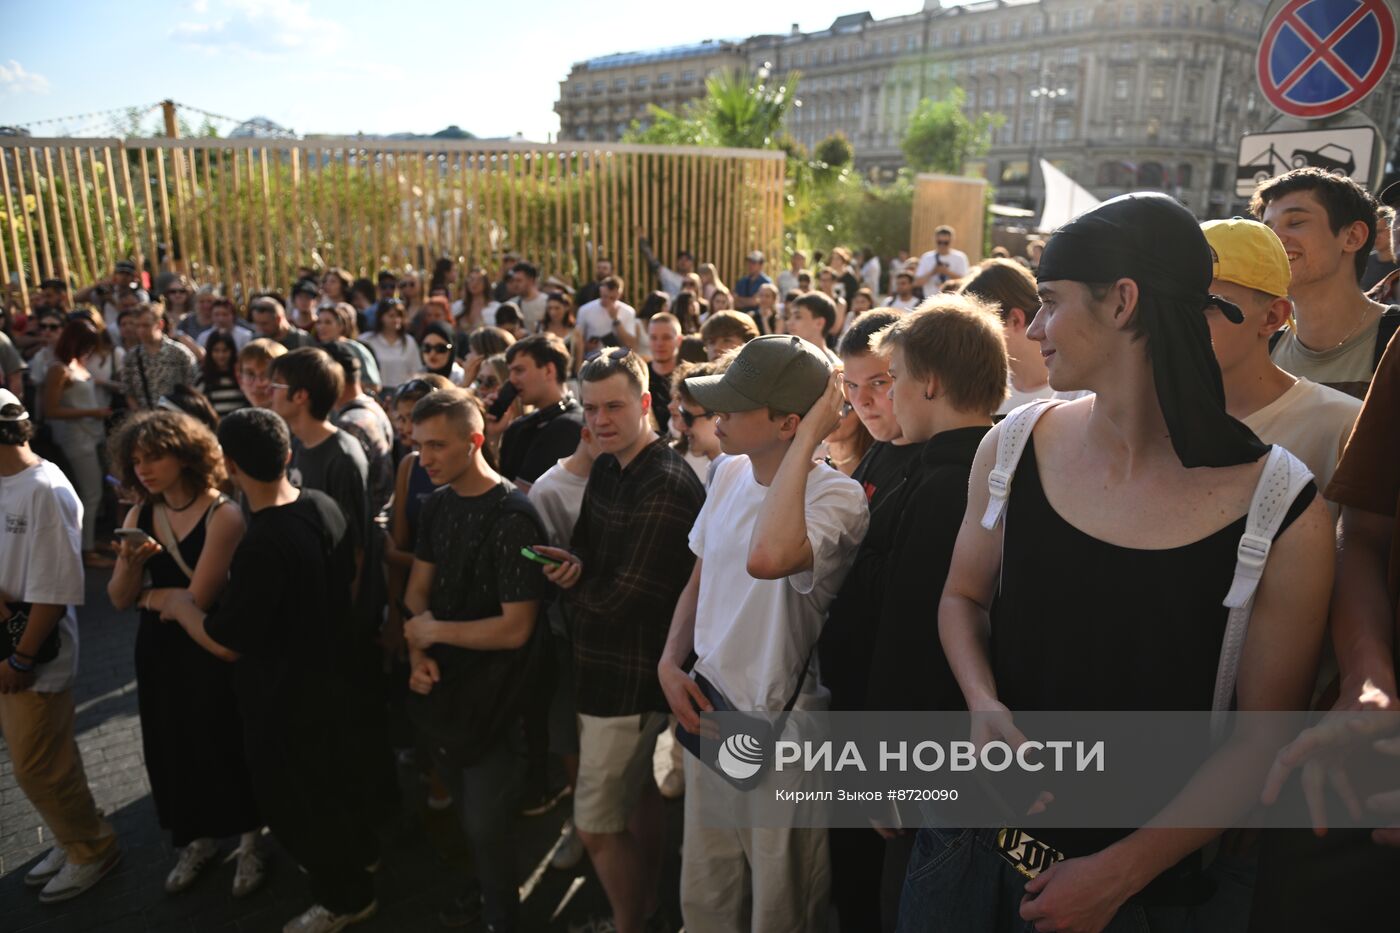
(1119,94)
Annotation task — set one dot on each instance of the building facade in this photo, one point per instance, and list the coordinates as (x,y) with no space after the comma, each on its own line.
(602,96)
(1119,94)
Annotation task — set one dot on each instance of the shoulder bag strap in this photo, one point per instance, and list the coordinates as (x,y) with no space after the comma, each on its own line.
(1015,433)
(1282,479)
(166,536)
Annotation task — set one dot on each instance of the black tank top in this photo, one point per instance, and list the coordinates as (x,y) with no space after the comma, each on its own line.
(1081,624)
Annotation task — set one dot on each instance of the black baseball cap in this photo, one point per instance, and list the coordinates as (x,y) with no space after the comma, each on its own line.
(1390,194)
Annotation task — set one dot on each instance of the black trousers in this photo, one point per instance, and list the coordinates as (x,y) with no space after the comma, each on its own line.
(299,780)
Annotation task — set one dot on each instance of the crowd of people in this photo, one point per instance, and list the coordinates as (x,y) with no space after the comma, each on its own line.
(538,531)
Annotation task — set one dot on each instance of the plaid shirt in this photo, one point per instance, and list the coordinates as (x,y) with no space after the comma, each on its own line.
(633,537)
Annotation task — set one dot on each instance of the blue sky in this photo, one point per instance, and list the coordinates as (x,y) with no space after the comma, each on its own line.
(353,66)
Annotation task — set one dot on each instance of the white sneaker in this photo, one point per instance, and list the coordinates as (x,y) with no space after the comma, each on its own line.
(194,858)
(48,866)
(251,870)
(73,879)
(568,851)
(320,920)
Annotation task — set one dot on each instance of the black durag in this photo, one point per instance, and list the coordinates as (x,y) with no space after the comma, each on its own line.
(1153,240)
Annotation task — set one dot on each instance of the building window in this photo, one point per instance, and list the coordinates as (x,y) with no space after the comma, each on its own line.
(1118,128)
(974,33)
(598,87)
(911,42)
(1129,16)
(1158,89)
(797,59)
(1184,174)
(641,83)
(1120,88)
(993,32)
(619,84)
(1014,29)
(935,39)
(1151,175)
(1079,17)
(1070,56)
(687,77)
(1193,90)
(663,79)
(1008,97)
(1063,129)
(989,97)
(1114,175)
(1027,130)
(954,36)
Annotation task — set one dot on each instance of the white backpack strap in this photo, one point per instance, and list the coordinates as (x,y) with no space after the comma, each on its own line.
(1283,477)
(1015,432)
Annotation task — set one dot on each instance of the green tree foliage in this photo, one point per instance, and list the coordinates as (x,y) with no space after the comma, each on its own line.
(940,138)
(835,150)
(736,112)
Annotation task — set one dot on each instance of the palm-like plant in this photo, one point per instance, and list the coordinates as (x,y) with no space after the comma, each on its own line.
(748,114)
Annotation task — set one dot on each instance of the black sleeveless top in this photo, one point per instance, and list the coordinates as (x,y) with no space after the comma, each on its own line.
(1081,624)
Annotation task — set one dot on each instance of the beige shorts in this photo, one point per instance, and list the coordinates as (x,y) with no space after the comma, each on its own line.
(614,762)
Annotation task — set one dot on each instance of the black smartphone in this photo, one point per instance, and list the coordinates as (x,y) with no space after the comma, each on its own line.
(503,401)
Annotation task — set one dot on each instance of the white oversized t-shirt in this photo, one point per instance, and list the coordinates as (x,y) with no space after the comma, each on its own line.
(41,557)
(751,636)
(558,496)
(595,322)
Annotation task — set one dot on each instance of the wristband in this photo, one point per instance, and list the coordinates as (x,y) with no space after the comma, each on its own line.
(20,666)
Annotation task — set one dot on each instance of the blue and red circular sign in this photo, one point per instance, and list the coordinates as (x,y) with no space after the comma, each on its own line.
(1320,57)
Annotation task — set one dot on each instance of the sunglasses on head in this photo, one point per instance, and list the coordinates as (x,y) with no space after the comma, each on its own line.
(690,417)
(436,347)
(617,353)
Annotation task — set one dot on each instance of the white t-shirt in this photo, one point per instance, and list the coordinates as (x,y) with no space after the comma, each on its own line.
(1016,398)
(532,310)
(41,557)
(240,337)
(595,322)
(897,303)
(558,496)
(397,361)
(752,636)
(1313,422)
(870,275)
(955,259)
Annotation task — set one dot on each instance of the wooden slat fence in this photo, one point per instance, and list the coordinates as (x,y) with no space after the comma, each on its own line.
(247,214)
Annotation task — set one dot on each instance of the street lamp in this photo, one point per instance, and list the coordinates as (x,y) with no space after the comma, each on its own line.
(1040,95)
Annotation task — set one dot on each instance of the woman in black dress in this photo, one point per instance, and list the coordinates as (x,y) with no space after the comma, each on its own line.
(191,732)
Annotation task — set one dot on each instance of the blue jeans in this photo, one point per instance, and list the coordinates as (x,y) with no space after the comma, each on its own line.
(958,883)
(486,799)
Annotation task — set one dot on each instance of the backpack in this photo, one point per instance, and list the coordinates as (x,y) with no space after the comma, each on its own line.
(1283,477)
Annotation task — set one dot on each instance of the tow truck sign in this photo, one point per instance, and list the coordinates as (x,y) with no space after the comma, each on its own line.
(1345,151)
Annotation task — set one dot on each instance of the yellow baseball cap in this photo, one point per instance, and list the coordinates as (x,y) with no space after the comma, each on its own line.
(1248,253)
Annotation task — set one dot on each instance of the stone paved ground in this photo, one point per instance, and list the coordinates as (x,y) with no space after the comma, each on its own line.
(424,859)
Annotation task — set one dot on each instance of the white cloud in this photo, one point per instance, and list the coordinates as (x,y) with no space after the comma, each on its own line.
(14,80)
(259,28)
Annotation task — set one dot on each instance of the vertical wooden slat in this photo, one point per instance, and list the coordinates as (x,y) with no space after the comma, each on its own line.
(85,199)
(201,197)
(268,277)
(31,273)
(297,206)
(134,226)
(151,241)
(228,217)
(184,232)
(164,193)
(82,270)
(632,260)
(41,215)
(60,238)
(119,247)
(566,198)
(601,244)
(14,234)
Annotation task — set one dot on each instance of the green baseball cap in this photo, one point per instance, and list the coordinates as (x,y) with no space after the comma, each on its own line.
(778,371)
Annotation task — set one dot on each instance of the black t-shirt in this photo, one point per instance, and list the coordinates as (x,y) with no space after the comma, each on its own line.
(539,440)
(285,611)
(661,399)
(883,467)
(474,544)
(337,467)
